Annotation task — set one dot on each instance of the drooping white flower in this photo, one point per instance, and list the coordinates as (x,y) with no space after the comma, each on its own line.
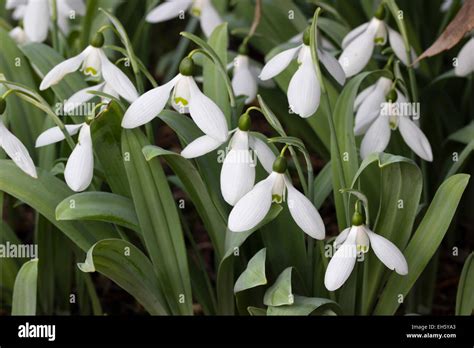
(304,91)
(14,148)
(465,63)
(185,97)
(238,168)
(84,95)
(354,241)
(203,9)
(36,15)
(92,61)
(244,81)
(79,169)
(358,45)
(252,208)
(376,119)
(19,36)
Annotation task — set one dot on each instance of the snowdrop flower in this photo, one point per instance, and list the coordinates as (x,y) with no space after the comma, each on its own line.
(244,81)
(390,118)
(238,168)
(93,62)
(252,208)
(79,169)
(358,45)
(84,95)
(36,15)
(465,63)
(14,148)
(203,9)
(185,97)
(304,91)
(354,241)
(19,36)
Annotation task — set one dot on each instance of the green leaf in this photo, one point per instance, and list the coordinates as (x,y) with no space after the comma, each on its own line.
(255,311)
(215,224)
(254,274)
(99,206)
(24,291)
(127,266)
(159,221)
(43,195)
(26,121)
(280,292)
(464,135)
(425,242)
(9,266)
(322,185)
(214,86)
(302,306)
(465,294)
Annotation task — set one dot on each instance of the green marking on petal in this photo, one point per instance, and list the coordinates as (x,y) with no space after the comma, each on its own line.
(196,12)
(362,248)
(379,40)
(277,199)
(180,100)
(90,71)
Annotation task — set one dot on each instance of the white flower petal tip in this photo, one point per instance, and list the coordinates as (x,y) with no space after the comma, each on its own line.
(14,148)
(148,106)
(54,135)
(57,73)
(264,154)
(167,10)
(415,139)
(79,169)
(252,208)
(342,263)
(278,63)
(305,214)
(237,175)
(465,62)
(207,115)
(210,19)
(244,81)
(377,137)
(200,147)
(332,66)
(36,20)
(388,253)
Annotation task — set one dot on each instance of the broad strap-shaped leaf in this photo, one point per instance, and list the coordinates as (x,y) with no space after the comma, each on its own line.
(254,274)
(24,291)
(159,222)
(465,294)
(99,206)
(127,266)
(424,242)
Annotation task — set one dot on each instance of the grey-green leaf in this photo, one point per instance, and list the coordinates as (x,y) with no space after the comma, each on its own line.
(254,274)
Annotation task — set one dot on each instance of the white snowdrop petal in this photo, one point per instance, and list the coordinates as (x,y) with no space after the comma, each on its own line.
(16,151)
(79,169)
(278,63)
(377,137)
(341,238)
(371,107)
(80,97)
(415,138)
(342,263)
(264,154)
(36,20)
(206,114)
(148,105)
(168,10)
(354,33)
(396,42)
(117,79)
(243,81)
(237,175)
(200,147)
(305,214)
(210,19)
(304,92)
(362,96)
(388,253)
(54,134)
(465,63)
(62,69)
(357,54)
(252,208)
(333,67)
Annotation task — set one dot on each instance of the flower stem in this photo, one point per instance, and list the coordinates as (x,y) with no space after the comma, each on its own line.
(55,28)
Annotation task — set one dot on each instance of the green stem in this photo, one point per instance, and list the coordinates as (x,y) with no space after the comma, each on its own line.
(55,29)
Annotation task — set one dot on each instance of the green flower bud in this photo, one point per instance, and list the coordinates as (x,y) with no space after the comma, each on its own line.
(245,122)
(307,35)
(3,105)
(391,96)
(186,67)
(380,13)
(98,40)
(280,165)
(357,219)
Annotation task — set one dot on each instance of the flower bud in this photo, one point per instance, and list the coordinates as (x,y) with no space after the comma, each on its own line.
(186,67)
(280,165)
(98,40)
(391,96)
(380,13)
(357,219)
(245,122)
